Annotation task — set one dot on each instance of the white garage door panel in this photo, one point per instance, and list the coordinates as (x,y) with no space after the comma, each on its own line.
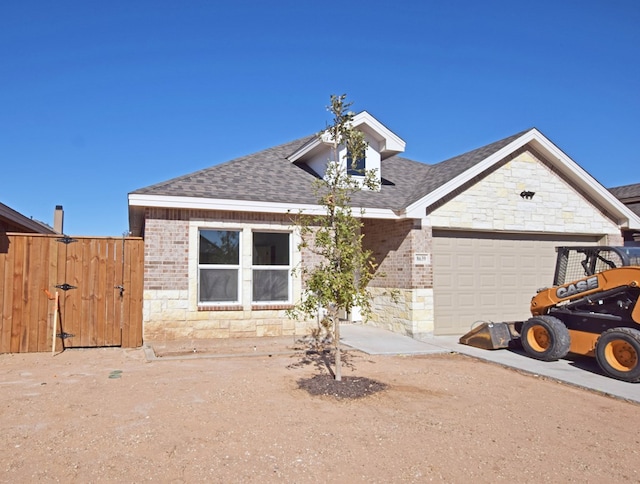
(485,277)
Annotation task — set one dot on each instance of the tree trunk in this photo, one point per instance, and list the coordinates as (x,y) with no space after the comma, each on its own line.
(336,332)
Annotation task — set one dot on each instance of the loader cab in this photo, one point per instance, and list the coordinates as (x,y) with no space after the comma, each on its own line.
(575,263)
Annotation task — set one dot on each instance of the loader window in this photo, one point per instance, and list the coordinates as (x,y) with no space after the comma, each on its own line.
(633,253)
(585,262)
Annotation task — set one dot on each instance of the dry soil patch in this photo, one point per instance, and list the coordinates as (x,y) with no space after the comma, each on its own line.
(108,415)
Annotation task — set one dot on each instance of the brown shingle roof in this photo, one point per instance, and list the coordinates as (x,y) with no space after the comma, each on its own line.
(629,195)
(268,176)
(626,191)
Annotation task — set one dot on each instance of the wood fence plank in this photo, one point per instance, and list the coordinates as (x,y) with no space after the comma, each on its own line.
(6,277)
(30,313)
(87,322)
(29,327)
(18,332)
(108,296)
(73,297)
(91,316)
(114,313)
(100,290)
(124,301)
(59,278)
(55,265)
(137,290)
(37,296)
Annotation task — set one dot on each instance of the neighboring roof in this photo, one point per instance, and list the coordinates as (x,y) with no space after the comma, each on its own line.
(629,195)
(12,221)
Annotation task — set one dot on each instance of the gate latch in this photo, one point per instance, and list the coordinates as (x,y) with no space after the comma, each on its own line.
(121,290)
(65,335)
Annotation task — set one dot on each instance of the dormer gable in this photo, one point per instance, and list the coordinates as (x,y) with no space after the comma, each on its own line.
(381,144)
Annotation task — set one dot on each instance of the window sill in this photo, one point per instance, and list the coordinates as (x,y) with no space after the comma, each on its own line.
(254,307)
(234,307)
(271,307)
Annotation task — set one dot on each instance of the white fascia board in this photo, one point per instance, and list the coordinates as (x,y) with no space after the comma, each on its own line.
(307,148)
(139,200)
(581,178)
(392,141)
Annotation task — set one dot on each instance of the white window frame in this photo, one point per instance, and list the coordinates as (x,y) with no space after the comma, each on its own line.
(237,267)
(358,172)
(287,267)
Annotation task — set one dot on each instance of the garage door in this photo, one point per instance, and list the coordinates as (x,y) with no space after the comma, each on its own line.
(490,277)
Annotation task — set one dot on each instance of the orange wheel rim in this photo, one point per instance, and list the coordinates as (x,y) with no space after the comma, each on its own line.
(538,338)
(621,355)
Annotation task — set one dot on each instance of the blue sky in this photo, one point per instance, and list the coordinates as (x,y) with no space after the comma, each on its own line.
(98,99)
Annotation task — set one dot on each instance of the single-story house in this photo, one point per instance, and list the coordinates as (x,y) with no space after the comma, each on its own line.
(470,238)
(630,196)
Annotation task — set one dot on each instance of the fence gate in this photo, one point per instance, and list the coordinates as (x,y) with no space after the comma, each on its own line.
(99,285)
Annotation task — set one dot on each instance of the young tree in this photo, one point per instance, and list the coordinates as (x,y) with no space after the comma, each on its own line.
(339,282)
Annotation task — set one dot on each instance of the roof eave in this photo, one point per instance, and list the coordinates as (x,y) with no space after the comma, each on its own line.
(194,203)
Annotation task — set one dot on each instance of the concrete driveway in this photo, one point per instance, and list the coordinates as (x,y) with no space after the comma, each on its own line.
(575,370)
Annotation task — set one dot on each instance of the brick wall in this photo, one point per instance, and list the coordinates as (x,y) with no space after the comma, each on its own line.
(170,308)
(166,250)
(166,237)
(394,244)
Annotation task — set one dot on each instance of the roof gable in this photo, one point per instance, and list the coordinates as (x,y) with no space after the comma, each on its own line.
(389,143)
(477,162)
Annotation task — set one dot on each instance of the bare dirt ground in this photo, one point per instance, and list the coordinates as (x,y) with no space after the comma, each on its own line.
(110,415)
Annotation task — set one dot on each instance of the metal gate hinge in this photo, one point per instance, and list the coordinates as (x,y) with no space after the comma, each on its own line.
(65,335)
(66,239)
(66,287)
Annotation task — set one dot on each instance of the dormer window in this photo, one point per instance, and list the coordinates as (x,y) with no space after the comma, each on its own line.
(381,144)
(357,168)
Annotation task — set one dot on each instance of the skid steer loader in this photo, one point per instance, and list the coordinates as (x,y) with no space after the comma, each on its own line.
(592,309)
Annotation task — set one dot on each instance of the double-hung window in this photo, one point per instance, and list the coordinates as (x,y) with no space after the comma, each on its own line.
(219,266)
(271,267)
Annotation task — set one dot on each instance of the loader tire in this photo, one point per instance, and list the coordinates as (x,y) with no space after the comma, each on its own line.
(545,338)
(618,352)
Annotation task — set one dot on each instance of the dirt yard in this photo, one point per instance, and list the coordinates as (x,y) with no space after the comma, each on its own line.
(110,415)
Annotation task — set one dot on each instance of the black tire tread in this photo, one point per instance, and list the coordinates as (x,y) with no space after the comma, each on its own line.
(633,335)
(561,341)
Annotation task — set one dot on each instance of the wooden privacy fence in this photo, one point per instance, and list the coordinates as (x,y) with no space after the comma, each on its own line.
(99,281)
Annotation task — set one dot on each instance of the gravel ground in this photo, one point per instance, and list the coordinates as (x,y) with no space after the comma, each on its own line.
(243,411)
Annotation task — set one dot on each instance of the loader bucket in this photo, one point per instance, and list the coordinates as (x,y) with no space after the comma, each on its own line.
(490,336)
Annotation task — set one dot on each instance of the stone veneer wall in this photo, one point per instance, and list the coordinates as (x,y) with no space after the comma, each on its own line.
(170,309)
(493,203)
